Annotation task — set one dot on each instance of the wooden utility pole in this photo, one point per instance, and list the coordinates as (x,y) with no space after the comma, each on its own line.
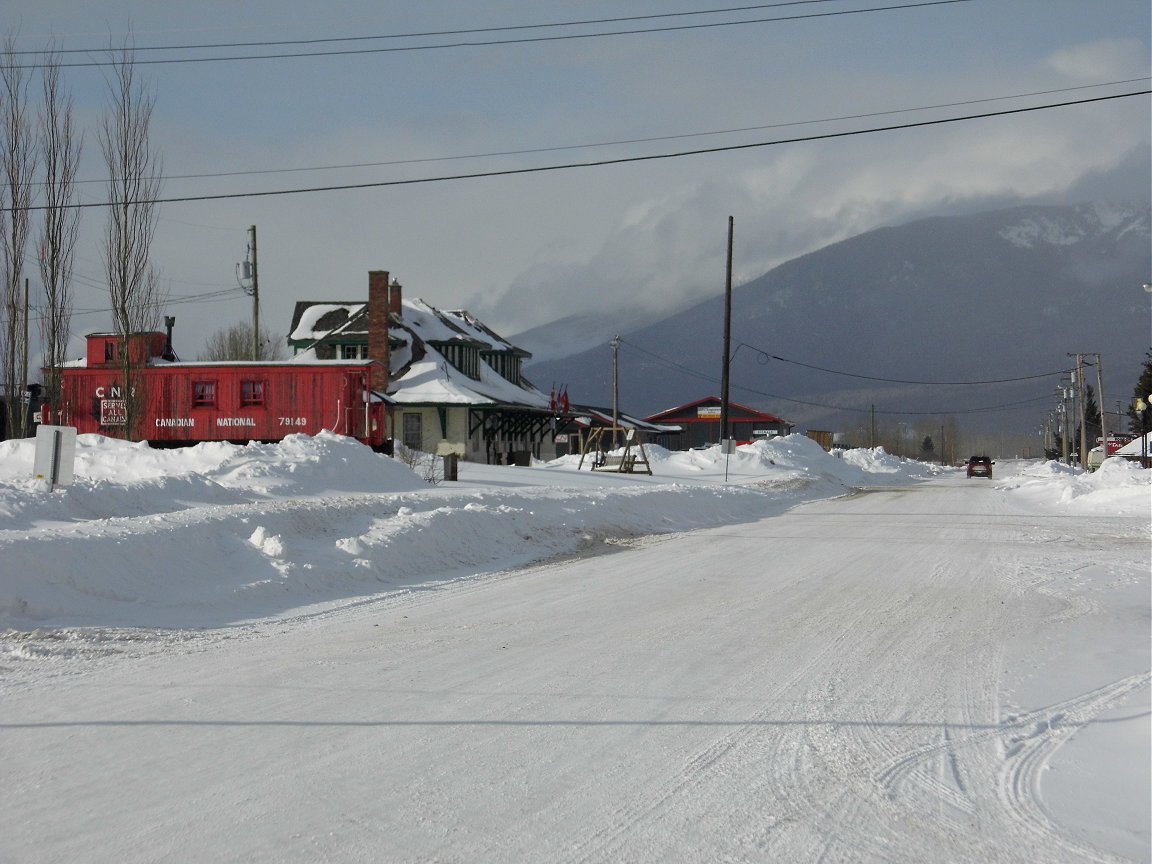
(1103,413)
(1080,409)
(615,388)
(724,374)
(255,295)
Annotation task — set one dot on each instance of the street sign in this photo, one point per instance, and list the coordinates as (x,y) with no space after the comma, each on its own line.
(55,454)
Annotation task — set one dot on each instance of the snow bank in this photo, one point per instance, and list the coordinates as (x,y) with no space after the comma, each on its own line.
(217,534)
(1118,487)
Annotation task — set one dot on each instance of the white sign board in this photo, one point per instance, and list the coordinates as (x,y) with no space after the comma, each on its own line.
(113,412)
(450,448)
(55,454)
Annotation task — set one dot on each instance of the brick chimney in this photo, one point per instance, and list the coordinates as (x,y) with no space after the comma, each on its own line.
(379,307)
(395,305)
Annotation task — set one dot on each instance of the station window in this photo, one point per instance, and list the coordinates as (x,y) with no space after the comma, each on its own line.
(413,431)
(251,393)
(203,394)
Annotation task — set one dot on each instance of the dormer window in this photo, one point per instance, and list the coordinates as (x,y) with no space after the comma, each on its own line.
(464,358)
(506,365)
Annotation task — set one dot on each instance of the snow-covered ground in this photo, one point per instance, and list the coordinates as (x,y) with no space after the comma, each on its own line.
(218,534)
(202,650)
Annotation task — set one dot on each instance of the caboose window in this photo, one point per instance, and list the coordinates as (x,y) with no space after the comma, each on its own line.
(203,394)
(251,393)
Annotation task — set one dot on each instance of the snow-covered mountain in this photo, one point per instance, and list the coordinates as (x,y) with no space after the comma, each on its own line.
(987,297)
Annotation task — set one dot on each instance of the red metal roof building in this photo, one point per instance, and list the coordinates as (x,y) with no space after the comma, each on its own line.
(699,422)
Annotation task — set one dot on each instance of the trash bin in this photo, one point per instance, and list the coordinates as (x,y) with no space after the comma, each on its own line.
(523,458)
(451,461)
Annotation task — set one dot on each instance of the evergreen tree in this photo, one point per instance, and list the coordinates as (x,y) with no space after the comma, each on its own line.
(927,449)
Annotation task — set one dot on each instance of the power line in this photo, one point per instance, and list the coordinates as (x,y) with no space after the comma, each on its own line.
(540,169)
(900,380)
(209,297)
(712,380)
(428,33)
(649,140)
(493,42)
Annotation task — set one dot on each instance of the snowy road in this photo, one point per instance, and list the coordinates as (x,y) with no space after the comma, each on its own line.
(862,679)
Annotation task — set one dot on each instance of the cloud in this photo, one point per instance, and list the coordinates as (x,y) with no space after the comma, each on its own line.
(1099,61)
(666,250)
(642,238)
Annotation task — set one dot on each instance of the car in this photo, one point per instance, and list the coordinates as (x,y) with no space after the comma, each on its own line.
(980,466)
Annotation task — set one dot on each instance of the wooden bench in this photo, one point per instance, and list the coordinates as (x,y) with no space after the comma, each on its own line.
(623,464)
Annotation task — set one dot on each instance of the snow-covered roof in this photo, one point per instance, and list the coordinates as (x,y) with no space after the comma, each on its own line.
(432,325)
(1136,447)
(316,321)
(588,416)
(471,325)
(420,373)
(432,379)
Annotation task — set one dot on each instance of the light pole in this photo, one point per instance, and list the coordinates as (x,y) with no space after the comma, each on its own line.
(1143,412)
(725,370)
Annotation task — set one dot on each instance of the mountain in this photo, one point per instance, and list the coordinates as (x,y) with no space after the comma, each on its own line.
(951,302)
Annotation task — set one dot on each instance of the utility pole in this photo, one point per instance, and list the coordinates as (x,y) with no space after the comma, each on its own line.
(1065,423)
(1103,413)
(255,292)
(724,374)
(1080,397)
(615,388)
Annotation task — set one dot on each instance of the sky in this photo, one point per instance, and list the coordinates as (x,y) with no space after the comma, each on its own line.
(303,651)
(526,249)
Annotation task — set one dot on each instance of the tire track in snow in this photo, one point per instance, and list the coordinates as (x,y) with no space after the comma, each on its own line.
(1026,744)
(1027,756)
(604,843)
(849,821)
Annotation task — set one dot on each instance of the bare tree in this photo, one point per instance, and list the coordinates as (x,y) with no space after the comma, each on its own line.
(235,343)
(133,186)
(60,147)
(18,165)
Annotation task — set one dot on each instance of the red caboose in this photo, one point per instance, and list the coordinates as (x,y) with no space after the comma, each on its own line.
(184,403)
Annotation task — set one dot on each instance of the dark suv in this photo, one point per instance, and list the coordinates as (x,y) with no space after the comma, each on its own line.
(980,466)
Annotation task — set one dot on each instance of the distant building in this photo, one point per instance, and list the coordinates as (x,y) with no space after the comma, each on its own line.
(699,422)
